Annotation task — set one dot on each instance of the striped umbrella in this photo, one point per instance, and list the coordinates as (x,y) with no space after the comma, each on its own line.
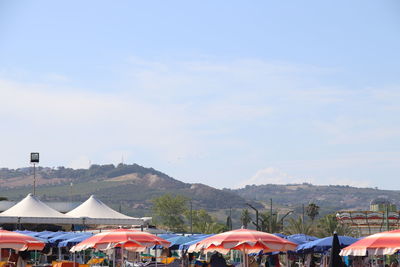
(385,243)
(129,239)
(19,241)
(248,241)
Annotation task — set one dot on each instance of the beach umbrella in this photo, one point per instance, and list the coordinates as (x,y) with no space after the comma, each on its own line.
(185,246)
(324,244)
(245,240)
(385,243)
(300,238)
(167,236)
(19,241)
(335,260)
(280,235)
(74,240)
(176,241)
(248,241)
(128,239)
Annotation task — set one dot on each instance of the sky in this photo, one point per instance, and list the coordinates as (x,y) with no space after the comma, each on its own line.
(226,93)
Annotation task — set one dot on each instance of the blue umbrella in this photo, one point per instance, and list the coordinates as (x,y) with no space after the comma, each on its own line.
(69,235)
(33,234)
(49,235)
(300,238)
(75,240)
(37,234)
(280,235)
(179,240)
(186,245)
(166,236)
(324,244)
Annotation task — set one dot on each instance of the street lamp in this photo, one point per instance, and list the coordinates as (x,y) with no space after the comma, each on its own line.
(34,160)
(256,224)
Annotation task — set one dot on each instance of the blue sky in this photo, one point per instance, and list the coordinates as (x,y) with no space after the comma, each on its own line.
(226,93)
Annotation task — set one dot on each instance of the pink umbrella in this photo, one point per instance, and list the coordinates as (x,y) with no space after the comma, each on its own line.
(385,243)
(120,237)
(250,241)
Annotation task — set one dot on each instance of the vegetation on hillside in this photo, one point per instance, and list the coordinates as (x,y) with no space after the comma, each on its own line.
(171,212)
(130,187)
(329,198)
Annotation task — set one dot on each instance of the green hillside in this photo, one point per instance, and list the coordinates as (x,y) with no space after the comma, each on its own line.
(330,198)
(129,187)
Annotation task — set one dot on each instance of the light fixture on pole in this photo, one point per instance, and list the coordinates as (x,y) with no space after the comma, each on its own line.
(256,224)
(34,161)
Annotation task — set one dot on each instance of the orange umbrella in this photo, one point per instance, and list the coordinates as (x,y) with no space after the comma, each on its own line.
(248,241)
(129,239)
(385,243)
(19,241)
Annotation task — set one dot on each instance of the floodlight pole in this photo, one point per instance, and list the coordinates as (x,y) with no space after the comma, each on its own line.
(34,160)
(34,179)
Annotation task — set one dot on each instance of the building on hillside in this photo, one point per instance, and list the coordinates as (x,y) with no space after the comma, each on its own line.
(382,216)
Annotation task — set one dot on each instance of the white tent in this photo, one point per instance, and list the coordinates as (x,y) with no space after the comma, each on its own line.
(92,211)
(32,210)
(95,211)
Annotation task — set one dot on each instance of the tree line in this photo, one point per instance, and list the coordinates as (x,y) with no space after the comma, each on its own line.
(173,213)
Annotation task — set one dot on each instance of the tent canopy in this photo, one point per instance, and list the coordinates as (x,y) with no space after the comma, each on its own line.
(31,206)
(95,208)
(96,212)
(92,211)
(32,210)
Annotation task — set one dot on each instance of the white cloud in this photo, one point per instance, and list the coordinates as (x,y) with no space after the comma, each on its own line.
(233,113)
(270,175)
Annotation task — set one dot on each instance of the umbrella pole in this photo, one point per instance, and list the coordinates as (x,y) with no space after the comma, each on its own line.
(244,257)
(114,257)
(122,255)
(155,254)
(287,259)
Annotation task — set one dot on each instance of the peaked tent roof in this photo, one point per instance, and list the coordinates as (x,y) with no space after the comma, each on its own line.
(31,206)
(92,211)
(96,212)
(32,210)
(95,208)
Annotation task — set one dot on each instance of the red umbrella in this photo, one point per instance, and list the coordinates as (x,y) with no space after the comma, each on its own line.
(248,241)
(120,237)
(385,243)
(19,241)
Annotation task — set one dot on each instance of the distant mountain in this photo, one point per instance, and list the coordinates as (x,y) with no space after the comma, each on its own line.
(330,198)
(131,188)
(126,187)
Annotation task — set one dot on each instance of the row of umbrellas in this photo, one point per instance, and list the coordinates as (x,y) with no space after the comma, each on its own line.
(248,241)
(60,238)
